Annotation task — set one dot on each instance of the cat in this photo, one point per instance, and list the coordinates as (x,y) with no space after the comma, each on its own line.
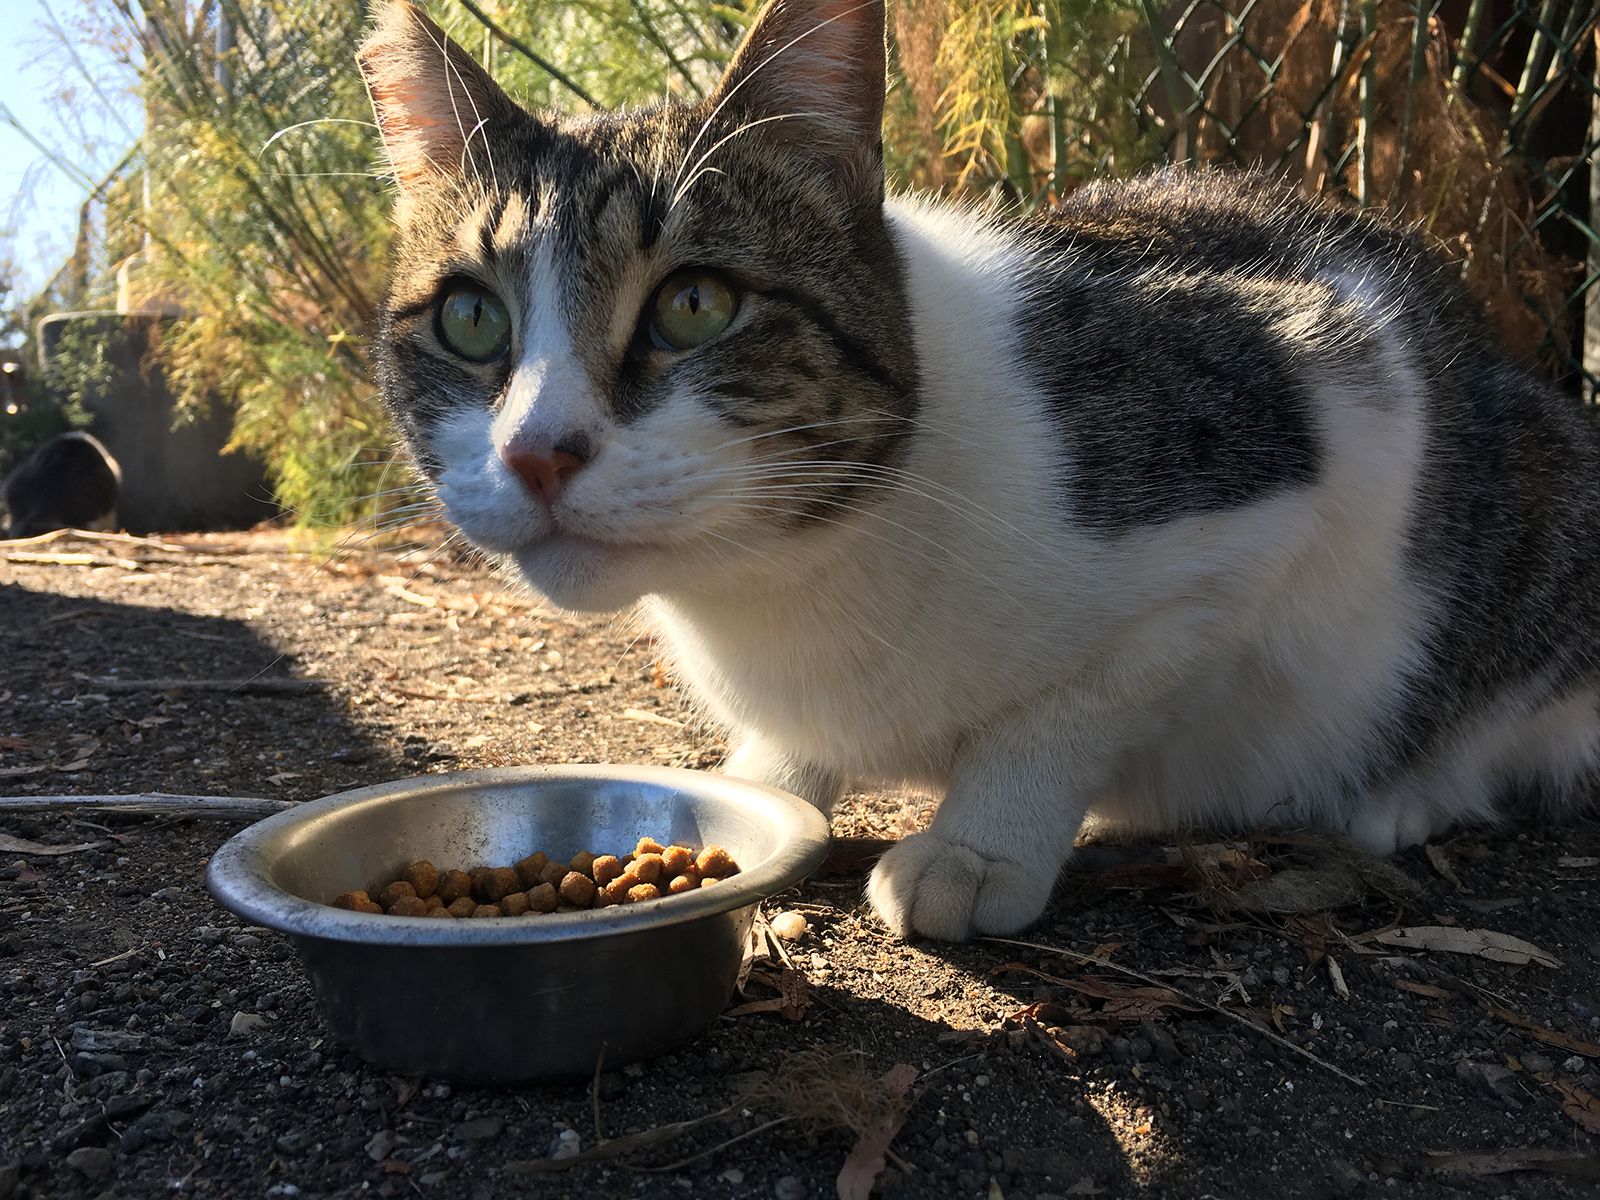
(68,482)
(1185,503)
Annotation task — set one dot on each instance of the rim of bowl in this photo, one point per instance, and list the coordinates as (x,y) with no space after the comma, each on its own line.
(237,876)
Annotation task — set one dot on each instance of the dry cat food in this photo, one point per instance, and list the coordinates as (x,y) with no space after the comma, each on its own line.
(540,884)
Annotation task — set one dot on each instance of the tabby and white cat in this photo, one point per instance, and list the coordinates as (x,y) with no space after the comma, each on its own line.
(1182,504)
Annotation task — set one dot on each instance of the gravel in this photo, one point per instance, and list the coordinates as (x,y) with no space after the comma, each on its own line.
(150,1036)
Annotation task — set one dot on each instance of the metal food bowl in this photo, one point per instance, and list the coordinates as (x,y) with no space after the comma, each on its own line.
(530,997)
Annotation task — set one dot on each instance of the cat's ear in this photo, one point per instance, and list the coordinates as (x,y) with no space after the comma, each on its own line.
(814,72)
(433,102)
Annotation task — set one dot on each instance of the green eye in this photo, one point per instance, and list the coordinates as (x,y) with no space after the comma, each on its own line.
(474,323)
(691,308)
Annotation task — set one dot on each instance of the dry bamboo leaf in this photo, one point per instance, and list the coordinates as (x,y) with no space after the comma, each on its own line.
(1580,1105)
(867,1157)
(1485,943)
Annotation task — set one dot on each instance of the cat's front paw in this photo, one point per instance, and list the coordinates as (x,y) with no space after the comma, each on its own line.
(927,884)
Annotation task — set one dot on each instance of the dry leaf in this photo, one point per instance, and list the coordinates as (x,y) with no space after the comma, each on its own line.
(1120,1003)
(405,1087)
(1580,1106)
(1485,943)
(1549,1036)
(19,743)
(1336,977)
(792,1003)
(19,772)
(1558,1162)
(1311,932)
(1568,860)
(866,1159)
(1422,989)
(1441,864)
(23,846)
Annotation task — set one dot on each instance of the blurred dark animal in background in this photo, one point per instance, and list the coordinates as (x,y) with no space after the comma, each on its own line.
(70,482)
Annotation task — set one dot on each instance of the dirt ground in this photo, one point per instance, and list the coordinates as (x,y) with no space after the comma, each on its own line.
(1274,1041)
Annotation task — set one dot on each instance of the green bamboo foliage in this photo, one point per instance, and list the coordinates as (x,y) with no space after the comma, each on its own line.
(1025,98)
(264,229)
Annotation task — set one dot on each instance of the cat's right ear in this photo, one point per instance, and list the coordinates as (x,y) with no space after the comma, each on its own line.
(433,102)
(810,74)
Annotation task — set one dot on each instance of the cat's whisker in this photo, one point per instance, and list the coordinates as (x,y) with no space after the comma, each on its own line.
(453,78)
(787,430)
(752,74)
(882,476)
(695,172)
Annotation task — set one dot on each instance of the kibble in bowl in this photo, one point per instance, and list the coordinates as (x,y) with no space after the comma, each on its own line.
(528,994)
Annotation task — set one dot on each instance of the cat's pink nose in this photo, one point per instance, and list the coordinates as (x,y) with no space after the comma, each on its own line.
(545,470)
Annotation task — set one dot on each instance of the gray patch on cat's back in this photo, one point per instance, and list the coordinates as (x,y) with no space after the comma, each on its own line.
(1174,398)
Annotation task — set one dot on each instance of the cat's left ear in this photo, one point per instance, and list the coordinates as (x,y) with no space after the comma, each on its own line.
(814,72)
(433,102)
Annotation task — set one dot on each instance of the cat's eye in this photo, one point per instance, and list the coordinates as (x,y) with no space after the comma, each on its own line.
(474,323)
(691,308)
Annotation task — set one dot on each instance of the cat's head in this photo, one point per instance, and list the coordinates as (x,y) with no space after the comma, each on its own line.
(636,350)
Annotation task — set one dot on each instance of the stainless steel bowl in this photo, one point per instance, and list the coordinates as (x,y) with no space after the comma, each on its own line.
(517,998)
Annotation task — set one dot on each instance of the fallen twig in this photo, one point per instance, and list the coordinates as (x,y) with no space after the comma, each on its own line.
(88,535)
(1091,961)
(614,1147)
(230,808)
(684,1162)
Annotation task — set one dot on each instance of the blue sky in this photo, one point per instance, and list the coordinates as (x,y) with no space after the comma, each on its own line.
(38,201)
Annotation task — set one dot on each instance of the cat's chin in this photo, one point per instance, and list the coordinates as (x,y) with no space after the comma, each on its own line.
(583,575)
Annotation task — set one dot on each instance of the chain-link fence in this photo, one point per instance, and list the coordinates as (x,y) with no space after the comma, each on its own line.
(1475,121)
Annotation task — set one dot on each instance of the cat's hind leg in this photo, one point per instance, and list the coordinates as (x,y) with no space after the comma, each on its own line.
(759,760)
(989,858)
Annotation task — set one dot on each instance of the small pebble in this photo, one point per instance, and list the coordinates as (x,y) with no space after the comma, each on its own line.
(480,1130)
(789,1187)
(790,926)
(566,1145)
(93,1162)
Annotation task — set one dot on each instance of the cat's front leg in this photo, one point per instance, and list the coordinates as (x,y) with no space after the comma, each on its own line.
(989,858)
(758,759)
